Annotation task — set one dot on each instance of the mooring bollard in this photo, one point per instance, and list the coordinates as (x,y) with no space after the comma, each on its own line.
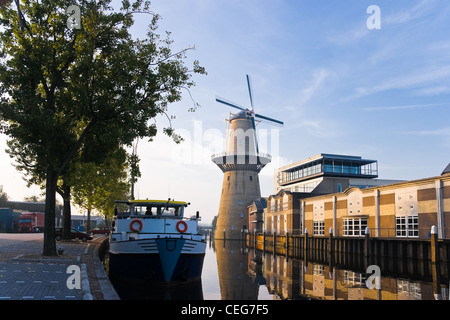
(367,242)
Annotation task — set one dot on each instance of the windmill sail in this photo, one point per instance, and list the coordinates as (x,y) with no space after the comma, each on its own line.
(251,113)
(250,92)
(228,103)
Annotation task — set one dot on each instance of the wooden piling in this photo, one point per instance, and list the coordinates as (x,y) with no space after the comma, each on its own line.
(287,244)
(331,248)
(435,263)
(306,244)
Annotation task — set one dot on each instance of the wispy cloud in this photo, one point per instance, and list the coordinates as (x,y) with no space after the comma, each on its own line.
(432,91)
(318,78)
(435,132)
(405,107)
(320,128)
(417,79)
(403,16)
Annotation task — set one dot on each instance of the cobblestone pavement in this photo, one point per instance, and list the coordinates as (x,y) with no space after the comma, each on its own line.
(26,275)
(36,281)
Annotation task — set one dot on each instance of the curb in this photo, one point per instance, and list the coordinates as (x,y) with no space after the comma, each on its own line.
(85,287)
(108,291)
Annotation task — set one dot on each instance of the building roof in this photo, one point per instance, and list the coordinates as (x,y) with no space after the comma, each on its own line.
(327,156)
(446,170)
(259,204)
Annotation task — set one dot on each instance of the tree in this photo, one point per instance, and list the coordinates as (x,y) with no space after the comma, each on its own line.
(32,198)
(98,186)
(3,197)
(64,88)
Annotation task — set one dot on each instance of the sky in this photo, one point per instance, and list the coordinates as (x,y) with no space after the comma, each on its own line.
(345,78)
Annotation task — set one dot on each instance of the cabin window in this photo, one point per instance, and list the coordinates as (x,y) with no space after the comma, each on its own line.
(159,209)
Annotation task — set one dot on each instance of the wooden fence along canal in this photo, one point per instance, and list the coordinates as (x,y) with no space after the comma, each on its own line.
(425,259)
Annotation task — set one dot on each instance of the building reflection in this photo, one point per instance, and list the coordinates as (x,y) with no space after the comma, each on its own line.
(235,280)
(288,278)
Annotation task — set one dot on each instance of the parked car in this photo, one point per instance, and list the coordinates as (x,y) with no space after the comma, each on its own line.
(75,234)
(101,230)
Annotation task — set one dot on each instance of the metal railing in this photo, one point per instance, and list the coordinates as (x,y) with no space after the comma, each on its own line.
(232,154)
(421,233)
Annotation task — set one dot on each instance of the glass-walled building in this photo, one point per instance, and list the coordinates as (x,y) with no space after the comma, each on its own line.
(328,173)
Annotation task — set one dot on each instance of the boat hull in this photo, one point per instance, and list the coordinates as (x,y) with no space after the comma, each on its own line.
(163,260)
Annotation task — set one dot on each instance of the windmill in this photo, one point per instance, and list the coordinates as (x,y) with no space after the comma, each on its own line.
(241,164)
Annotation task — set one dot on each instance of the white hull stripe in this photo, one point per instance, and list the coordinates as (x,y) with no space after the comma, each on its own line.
(149,246)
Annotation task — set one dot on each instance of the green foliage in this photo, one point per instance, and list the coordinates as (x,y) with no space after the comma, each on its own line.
(97,186)
(70,95)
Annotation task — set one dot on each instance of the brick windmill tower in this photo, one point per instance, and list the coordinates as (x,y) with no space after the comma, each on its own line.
(241,164)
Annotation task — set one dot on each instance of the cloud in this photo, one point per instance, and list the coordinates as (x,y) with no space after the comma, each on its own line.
(318,77)
(435,132)
(418,78)
(404,16)
(405,107)
(432,91)
(321,128)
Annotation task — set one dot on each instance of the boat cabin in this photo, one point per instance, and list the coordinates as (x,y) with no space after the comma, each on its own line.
(151,209)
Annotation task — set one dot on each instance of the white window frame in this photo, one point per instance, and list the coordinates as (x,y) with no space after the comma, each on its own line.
(407,226)
(354,227)
(319,227)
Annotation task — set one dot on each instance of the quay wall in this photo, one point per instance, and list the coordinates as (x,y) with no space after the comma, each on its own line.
(396,256)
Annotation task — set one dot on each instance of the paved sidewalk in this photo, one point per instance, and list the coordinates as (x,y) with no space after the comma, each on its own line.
(76,275)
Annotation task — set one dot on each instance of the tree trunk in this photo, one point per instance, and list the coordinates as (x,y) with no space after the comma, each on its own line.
(50,207)
(66,213)
(88,224)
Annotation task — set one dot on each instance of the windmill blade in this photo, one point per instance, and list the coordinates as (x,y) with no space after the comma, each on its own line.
(250,91)
(229,103)
(269,119)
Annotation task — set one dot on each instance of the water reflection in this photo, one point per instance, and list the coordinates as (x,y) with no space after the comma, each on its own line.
(152,291)
(235,280)
(234,272)
(302,279)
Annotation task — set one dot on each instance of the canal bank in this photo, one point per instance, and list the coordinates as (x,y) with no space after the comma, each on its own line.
(77,274)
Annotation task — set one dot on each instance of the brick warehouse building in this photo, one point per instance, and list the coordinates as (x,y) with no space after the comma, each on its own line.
(404,209)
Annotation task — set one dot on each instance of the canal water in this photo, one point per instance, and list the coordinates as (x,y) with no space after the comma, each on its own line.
(234,272)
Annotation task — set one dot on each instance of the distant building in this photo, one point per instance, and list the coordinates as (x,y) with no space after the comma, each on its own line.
(283,212)
(80,221)
(256,215)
